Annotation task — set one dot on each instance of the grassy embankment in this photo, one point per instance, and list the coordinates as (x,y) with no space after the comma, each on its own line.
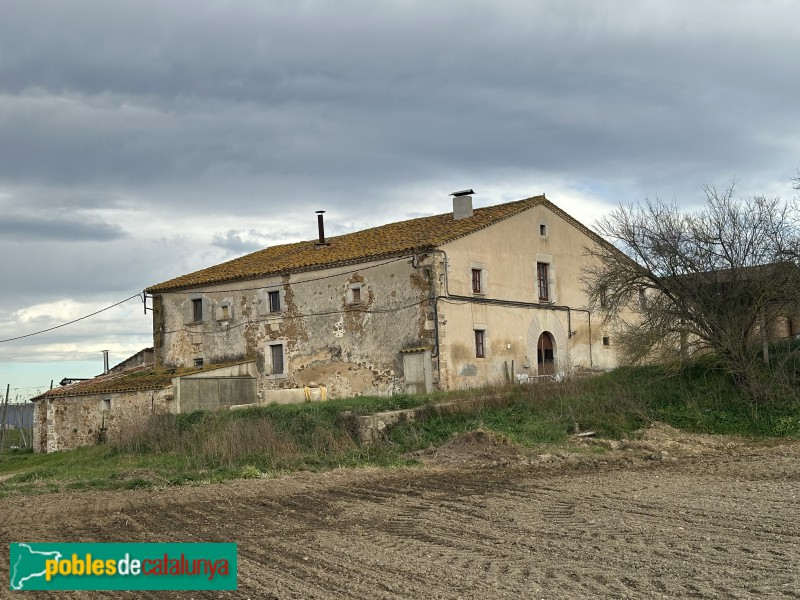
(217,446)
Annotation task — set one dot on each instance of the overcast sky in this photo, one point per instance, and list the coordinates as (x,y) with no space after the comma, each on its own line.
(143,140)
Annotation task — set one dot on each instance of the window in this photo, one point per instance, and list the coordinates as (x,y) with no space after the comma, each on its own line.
(543,278)
(642,299)
(197,310)
(543,229)
(606,340)
(477,283)
(198,363)
(106,403)
(603,297)
(276,358)
(224,312)
(480,343)
(354,294)
(274,300)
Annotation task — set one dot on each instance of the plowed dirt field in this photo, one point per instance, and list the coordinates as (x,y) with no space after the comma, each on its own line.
(669,516)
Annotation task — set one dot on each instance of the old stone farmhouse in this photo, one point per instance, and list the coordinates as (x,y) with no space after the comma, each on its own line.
(449,301)
(456,300)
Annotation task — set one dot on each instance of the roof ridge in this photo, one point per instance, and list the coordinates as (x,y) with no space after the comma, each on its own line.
(381,241)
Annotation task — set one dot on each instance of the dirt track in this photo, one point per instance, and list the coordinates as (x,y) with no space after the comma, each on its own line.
(718,522)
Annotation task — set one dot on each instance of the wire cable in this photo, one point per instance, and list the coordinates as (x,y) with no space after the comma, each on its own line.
(97,312)
(201,290)
(280,317)
(19,337)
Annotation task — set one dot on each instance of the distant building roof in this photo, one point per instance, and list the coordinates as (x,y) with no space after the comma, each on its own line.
(385,241)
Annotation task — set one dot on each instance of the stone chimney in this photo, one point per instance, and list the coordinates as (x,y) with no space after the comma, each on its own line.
(462,204)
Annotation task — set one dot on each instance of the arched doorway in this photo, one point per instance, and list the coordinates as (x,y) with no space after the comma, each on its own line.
(545,354)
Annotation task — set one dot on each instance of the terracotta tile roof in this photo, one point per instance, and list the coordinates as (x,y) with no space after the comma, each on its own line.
(385,241)
(133,380)
(142,378)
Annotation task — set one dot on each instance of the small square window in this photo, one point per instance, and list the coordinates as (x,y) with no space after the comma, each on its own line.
(106,403)
(480,343)
(198,363)
(477,281)
(606,340)
(356,295)
(224,312)
(274,299)
(542,229)
(197,310)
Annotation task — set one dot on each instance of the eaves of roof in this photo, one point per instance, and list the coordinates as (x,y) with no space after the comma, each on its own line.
(134,380)
(386,241)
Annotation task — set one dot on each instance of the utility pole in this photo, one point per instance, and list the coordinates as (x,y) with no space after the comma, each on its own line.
(5,412)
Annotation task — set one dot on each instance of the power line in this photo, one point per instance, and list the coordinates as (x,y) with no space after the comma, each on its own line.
(202,290)
(19,337)
(281,316)
(97,312)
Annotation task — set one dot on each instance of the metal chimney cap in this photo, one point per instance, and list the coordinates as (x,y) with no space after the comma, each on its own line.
(462,193)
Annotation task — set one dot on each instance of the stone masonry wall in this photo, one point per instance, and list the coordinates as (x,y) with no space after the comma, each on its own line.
(69,422)
(330,334)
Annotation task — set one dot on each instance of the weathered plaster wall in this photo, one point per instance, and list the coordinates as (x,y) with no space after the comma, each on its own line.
(352,348)
(140,359)
(69,422)
(508,252)
(40,426)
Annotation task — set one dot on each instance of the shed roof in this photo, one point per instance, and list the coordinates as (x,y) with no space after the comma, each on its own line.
(136,379)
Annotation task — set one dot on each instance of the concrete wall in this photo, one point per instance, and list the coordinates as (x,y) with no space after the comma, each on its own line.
(69,422)
(507,253)
(217,388)
(351,348)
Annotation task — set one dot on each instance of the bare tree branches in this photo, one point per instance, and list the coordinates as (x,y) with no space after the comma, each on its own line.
(718,279)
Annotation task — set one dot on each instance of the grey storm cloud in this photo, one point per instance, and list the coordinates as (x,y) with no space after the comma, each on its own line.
(283,95)
(35,229)
(238,242)
(180,134)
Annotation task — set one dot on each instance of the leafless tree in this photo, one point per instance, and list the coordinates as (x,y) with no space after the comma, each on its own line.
(724,279)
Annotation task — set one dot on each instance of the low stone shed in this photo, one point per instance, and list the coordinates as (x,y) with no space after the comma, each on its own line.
(100,409)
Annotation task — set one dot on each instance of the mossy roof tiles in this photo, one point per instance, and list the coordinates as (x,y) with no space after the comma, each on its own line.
(393,239)
(133,380)
(143,378)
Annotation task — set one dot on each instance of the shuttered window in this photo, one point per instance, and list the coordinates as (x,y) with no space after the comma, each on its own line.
(276,356)
(480,343)
(543,279)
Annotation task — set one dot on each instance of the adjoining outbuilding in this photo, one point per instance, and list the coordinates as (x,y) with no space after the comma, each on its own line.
(95,410)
